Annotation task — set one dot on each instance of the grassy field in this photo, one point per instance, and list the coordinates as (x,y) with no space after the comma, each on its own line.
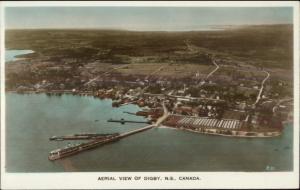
(165,69)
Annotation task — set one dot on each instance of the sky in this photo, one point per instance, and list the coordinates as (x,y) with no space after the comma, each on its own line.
(143,18)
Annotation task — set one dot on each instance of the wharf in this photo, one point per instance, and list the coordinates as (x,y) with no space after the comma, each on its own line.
(68,151)
(130,113)
(123,121)
(135,131)
(82,136)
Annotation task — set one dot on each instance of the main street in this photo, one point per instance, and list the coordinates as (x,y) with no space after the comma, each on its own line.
(163,117)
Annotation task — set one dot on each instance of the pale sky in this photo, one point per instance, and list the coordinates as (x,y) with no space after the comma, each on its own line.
(143,18)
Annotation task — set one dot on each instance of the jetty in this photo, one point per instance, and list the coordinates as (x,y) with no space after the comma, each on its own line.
(130,113)
(83,136)
(123,121)
(135,131)
(77,148)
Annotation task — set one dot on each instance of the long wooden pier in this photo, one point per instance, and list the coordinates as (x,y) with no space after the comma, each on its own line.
(62,153)
(130,113)
(82,136)
(135,131)
(123,121)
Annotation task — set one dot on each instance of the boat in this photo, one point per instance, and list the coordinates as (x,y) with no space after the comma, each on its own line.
(72,149)
(82,136)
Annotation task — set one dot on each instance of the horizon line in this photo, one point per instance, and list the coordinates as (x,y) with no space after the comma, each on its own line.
(213,28)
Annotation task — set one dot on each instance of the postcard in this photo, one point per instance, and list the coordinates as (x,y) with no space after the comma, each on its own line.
(147,95)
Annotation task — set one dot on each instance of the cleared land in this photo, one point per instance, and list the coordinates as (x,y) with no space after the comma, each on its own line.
(165,69)
(74,57)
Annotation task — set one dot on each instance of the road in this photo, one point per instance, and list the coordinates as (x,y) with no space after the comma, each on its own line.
(262,88)
(260,91)
(154,72)
(96,78)
(281,101)
(217,67)
(193,49)
(163,117)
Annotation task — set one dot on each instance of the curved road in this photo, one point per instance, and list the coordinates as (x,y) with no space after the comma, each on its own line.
(281,101)
(260,91)
(261,88)
(217,67)
(194,49)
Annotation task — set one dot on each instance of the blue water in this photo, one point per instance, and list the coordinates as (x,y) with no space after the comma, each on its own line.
(32,119)
(10,55)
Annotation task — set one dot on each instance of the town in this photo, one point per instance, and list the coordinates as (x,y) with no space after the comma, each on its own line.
(203,90)
(230,100)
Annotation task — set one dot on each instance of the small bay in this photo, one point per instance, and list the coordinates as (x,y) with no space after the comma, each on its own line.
(11,55)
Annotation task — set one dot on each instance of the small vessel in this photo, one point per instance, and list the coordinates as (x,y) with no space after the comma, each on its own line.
(72,149)
(81,136)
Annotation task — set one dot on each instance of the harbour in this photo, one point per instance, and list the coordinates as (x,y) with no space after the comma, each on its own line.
(97,141)
(157,149)
(149,95)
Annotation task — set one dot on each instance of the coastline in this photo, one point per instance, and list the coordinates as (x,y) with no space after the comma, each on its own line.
(21,56)
(238,134)
(235,143)
(243,135)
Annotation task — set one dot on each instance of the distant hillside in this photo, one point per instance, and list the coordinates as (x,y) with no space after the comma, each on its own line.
(269,46)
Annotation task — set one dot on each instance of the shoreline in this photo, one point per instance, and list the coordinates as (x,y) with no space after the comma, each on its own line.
(258,135)
(19,56)
(239,134)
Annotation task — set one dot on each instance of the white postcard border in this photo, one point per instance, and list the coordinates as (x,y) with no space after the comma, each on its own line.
(89,180)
